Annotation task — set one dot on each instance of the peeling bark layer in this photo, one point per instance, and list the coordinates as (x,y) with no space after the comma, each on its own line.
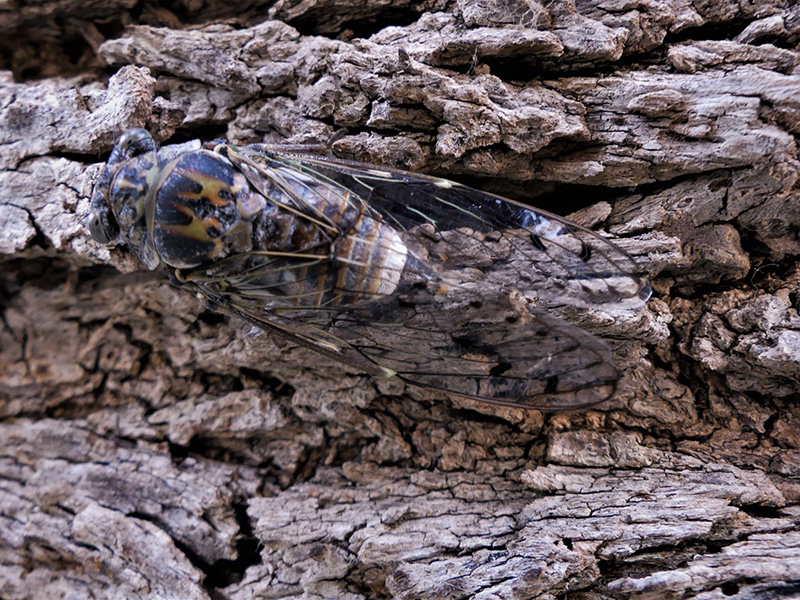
(154,449)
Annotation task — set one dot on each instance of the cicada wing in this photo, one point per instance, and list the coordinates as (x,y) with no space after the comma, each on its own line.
(563,263)
(442,317)
(491,352)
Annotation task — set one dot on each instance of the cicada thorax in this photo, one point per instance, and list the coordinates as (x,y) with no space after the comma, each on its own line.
(199,208)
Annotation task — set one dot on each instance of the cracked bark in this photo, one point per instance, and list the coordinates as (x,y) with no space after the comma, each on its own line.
(152,449)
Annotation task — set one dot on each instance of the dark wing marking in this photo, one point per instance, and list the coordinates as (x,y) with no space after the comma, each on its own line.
(444,325)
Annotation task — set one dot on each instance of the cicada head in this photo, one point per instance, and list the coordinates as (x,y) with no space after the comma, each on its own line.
(174,205)
(118,201)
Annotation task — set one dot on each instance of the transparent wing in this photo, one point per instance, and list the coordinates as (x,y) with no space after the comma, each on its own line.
(563,262)
(452,315)
(543,363)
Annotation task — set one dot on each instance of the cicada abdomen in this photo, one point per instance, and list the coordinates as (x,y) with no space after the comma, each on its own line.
(316,246)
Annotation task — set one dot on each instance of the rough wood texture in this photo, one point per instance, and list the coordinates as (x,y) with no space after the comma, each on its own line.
(151,449)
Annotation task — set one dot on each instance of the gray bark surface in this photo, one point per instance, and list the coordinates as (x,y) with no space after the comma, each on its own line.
(153,449)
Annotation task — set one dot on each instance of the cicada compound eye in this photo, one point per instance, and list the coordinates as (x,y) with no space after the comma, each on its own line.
(136,141)
(96,228)
(102,225)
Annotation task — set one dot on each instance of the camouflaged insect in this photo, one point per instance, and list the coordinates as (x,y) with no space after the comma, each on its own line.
(400,275)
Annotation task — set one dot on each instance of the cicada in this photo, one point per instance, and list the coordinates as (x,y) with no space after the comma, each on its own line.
(398,274)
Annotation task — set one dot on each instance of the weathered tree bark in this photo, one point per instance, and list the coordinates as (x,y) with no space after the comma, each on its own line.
(152,449)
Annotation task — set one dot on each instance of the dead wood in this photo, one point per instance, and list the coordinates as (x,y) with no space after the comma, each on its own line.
(154,449)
